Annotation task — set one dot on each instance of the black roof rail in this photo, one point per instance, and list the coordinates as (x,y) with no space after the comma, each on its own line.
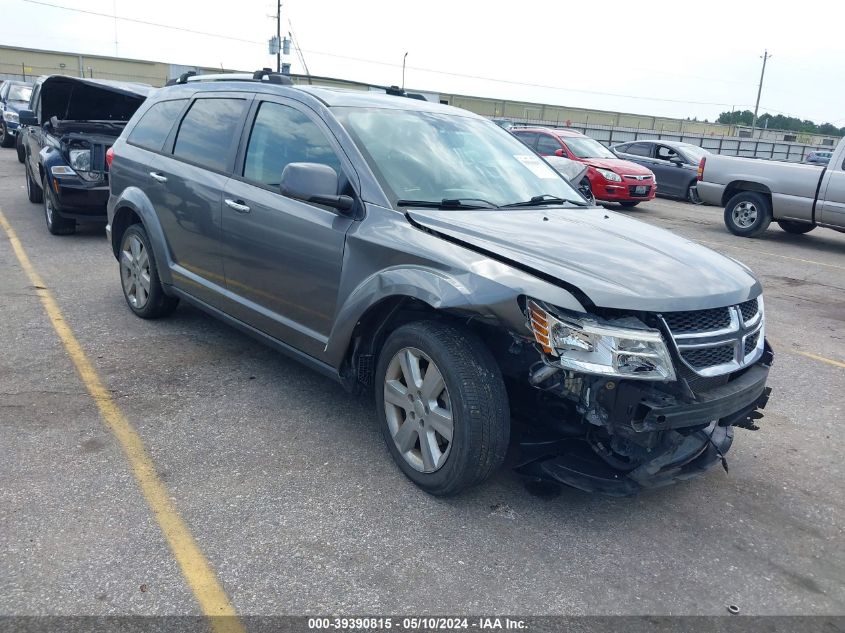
(182,79)
(272,76)
(396,91)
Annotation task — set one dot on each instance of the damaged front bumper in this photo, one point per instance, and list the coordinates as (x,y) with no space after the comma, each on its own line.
(668,437)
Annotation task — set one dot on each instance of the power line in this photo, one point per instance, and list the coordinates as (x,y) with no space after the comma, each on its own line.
(144,22)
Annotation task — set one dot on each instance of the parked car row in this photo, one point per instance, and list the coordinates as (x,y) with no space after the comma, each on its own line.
(423,254)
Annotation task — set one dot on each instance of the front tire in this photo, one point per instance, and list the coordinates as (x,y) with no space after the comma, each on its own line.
(56,224)
(139,278)
(442,406)
(796,228)
(748,214)
(19,148)
(6,139)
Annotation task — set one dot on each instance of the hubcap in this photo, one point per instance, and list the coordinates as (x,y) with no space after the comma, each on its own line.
(744,214)
(418,410)
(135,271)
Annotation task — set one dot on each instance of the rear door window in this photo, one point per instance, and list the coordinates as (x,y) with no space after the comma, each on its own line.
(282,135)
(206,133)
(155,124)
(639,149)
(529,138)
(547,144)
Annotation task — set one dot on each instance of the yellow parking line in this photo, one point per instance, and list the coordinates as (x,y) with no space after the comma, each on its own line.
(822,359)
(195,567)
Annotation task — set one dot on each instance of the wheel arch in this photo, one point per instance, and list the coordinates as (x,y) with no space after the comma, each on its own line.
(391,298)
(739,186)
(133,207)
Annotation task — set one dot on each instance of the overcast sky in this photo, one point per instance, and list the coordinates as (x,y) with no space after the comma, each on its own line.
(674,58)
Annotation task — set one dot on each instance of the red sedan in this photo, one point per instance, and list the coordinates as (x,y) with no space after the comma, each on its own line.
(611,178)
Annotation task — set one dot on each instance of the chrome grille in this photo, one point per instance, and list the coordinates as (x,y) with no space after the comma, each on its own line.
(718,341)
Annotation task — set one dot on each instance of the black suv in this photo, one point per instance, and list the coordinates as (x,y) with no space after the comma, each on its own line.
(422,253)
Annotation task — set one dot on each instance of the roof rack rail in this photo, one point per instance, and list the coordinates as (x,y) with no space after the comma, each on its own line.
(181,79)
(396,91)
(265,74)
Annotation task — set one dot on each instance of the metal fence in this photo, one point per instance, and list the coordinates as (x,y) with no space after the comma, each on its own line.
(28,72)
(729,145)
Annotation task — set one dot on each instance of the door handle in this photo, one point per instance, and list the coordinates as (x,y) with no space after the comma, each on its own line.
(158,177)
(238,205)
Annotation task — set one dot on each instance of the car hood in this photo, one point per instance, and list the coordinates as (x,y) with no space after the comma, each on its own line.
(619,166)
(615,261)
(81,99)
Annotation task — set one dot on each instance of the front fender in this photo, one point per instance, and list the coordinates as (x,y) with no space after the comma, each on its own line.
(488,294)
(133,199)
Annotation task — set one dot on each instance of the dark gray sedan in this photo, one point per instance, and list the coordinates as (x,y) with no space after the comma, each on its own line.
(675,165)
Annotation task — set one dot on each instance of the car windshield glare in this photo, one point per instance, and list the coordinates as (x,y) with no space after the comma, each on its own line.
(585,147)
(432,156)
(694,152)
(20,93)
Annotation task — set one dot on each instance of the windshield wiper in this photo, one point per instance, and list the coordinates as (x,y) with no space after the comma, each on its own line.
(544,199)
(448,203)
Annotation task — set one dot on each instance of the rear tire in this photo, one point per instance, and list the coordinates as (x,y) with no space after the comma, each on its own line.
(797,228)
(455,401)
(33,191)
(56,224)
(748,214)
(139,278)
(692,195)
(6,139)
(629,204)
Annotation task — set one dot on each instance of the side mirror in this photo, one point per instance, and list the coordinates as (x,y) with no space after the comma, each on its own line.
(27,117)
(314,182)
(677,160)
(560,152)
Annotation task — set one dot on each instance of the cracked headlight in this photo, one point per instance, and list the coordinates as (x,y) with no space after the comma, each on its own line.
(80,159)
(609,175)
(583,344)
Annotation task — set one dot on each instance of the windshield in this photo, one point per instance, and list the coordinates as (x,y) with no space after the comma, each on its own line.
(20,93)
(694,152)
(585,147)
(435,156)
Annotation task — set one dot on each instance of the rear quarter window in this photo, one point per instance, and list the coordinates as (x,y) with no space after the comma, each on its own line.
(155,124)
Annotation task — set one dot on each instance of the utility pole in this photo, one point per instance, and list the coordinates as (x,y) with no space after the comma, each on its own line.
(759,90)
(403,71)
(279,36)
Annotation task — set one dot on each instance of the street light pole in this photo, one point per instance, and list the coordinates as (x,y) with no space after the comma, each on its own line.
(403,71)
(759,90)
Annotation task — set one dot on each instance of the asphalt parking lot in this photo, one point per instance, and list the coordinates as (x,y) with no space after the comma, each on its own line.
(285,484)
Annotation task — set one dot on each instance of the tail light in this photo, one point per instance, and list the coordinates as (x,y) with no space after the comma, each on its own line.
(110,158)
(701,168)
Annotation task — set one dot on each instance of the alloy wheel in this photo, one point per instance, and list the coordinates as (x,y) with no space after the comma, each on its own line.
(48,208)
(744,214)
(135,271)
(418,410)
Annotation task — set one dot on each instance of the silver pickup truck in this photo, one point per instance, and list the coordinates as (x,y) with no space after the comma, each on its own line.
(755,192)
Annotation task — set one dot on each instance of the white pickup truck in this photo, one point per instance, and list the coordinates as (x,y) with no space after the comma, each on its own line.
(754,192)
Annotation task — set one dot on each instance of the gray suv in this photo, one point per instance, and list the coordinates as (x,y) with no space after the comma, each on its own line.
(421,253)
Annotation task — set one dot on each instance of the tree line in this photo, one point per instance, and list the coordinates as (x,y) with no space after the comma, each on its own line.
(780,122)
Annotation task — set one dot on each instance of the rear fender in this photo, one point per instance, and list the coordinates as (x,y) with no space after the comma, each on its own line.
(133,199)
